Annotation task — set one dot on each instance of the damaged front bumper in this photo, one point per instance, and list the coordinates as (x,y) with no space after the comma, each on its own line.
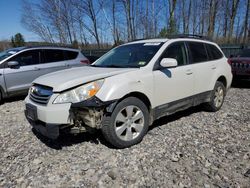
(91,111)
(73,118)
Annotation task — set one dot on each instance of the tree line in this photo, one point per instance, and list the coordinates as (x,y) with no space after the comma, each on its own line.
(101,22)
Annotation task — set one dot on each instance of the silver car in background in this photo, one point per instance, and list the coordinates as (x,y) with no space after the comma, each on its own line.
(20,66)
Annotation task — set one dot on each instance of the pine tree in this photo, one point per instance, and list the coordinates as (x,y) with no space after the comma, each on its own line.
(17,40)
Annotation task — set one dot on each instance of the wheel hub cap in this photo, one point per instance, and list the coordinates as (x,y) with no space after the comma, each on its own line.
(218,97)
(129,123)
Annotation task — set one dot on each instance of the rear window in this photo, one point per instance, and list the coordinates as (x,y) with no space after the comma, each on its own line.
(214,52)
(69,55)
(53,56)
(198,52)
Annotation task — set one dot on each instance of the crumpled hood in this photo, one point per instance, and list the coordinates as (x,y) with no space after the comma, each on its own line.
(65,79)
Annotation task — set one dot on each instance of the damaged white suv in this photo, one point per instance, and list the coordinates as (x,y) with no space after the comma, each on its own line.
(124,91)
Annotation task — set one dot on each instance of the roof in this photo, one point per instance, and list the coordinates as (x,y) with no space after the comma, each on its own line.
(49,47)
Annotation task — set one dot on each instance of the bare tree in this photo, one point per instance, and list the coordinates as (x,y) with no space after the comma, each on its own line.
(34,22)
(172,21)
(213,7)
(232,14)
(186,12)
(129,19)
(246,24)
(70,21)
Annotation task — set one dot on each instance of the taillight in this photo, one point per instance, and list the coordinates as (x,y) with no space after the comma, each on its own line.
(229,61)
(85,61)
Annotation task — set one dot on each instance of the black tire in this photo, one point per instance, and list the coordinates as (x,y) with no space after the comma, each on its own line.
(109,124)
(1,98)
(212,106)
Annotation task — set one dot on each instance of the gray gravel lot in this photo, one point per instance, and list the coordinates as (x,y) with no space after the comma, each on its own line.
(193,148)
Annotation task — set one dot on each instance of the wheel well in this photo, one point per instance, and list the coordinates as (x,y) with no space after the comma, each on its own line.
(223,80)
(140,96)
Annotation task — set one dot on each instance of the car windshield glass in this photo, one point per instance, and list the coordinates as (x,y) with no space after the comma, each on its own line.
(245,53)
(7,53)
(131,55)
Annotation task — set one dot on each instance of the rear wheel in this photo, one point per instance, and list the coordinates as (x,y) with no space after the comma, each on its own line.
(217,97)
(128,123)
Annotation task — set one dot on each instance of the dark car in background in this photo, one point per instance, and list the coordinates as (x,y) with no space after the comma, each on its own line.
(20,66)
(241,65)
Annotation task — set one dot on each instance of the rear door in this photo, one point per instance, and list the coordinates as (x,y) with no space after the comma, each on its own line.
(203,67)
(19,79)
(52,60)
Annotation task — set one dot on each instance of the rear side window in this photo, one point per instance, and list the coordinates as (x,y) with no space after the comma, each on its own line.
(50,56)
(30,57)
(214,52)
(69,55)
(197,51)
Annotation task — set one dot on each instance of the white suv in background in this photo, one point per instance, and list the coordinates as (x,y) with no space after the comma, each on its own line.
(124,91)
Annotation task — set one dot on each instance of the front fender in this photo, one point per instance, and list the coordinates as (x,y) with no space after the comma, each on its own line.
(116,87)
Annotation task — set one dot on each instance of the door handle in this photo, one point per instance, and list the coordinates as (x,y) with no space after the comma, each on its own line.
(37,69)
(213,67)
(189,72)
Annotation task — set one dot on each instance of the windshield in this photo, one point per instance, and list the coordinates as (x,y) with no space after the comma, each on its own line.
(131,55)
(245,53)
(8,53)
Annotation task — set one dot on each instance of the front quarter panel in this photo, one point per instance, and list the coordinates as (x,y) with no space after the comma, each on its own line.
(116,87)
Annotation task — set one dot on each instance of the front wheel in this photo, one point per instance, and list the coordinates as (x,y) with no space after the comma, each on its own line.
(128,123)
(1,98)
(217,97)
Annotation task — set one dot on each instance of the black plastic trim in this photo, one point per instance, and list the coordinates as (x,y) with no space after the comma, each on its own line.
(182,104)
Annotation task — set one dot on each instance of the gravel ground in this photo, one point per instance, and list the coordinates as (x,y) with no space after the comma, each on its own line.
(189,149)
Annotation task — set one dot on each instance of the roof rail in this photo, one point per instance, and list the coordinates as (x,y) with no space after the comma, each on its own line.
(49,46)
(189,36)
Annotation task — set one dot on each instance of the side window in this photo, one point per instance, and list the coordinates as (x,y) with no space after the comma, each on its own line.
(176,51)
(50,56)
(69,55)
(214,52)
(198,52)
(30,57)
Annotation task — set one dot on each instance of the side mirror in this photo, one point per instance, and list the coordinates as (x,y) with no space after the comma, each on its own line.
(13,64)
(168,62)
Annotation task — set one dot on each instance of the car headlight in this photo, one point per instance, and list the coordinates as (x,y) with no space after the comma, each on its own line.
(80,93)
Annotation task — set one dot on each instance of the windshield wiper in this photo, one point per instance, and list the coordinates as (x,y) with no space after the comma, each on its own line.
(114,66)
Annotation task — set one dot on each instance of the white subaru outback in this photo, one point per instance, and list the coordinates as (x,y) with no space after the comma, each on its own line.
(124,91)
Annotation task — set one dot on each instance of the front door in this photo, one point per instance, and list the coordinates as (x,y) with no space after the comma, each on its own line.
(18,79)
(174,87)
